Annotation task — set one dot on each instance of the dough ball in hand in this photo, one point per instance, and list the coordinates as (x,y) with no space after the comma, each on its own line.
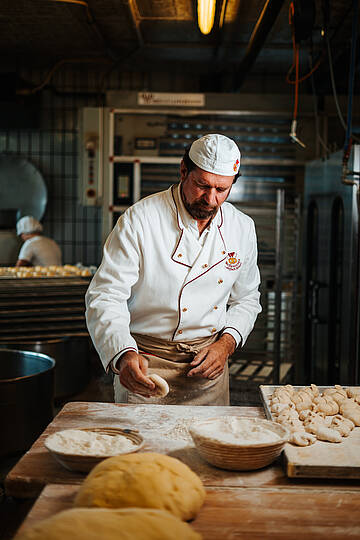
(145,480)
(161,386)
(102,523)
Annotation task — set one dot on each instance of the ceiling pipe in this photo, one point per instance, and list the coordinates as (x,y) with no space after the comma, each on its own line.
(136,22)
(262,28)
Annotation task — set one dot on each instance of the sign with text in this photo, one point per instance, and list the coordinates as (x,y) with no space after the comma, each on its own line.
(171,99)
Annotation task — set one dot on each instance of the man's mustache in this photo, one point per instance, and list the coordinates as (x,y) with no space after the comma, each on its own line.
(202,204)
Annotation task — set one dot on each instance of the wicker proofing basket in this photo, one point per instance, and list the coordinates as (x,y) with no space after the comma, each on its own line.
(81,463)
(241,457)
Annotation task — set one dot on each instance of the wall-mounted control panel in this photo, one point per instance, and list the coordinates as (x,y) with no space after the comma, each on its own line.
(91,156)
(123,184)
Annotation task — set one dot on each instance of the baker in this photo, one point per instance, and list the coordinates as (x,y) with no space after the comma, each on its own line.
(177,288)
(37,250)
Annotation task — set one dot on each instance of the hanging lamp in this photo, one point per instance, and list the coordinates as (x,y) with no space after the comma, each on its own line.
(206,15)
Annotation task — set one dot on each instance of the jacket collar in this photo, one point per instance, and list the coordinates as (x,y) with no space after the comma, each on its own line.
(187,250)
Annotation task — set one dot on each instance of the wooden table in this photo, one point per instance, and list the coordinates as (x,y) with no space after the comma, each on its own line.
(247,505)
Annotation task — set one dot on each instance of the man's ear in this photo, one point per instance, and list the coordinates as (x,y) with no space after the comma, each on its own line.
(183,171)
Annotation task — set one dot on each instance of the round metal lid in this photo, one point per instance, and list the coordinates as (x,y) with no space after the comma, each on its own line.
(22,187)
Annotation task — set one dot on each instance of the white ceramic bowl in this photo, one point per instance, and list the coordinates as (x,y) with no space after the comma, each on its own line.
(215,442)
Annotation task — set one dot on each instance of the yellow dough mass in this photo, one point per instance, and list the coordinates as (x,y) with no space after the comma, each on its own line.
(146,480)
(102,523)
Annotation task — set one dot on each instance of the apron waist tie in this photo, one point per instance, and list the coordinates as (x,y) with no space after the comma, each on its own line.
(177,351)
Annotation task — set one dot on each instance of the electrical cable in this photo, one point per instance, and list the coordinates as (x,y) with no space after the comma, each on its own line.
(28,91)
(294,64)
(322,54)
(352,71)
(316,113)
(307,75)
(296,48)
(333,86)
(297,81)
(304,77)
(91,21)
(296,99)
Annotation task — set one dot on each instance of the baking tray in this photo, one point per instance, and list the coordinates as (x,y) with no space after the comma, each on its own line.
(322,459)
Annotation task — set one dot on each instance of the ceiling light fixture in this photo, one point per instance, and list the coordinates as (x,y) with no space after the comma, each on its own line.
(206,15)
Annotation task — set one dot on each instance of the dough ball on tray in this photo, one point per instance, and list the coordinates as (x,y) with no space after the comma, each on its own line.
(146,480)
(102,523)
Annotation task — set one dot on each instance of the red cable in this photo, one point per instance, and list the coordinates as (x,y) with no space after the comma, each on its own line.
(296,81)
(296,59)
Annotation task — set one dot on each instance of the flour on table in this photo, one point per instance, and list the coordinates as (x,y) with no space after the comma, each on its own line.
(180,430)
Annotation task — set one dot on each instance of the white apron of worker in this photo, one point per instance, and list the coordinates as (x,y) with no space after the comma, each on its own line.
(181,290)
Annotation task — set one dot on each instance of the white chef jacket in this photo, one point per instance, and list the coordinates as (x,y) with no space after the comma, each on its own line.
(156,278)
(40,251)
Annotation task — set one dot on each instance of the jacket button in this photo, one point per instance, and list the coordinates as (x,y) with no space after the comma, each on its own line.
(215,307)
(204,265)
(180,332)
(220,281)
(180,255)
(184,308)
(223,252)
(213,330)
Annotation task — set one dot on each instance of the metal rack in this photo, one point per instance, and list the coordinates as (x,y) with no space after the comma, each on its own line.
(42,308)
(271,352)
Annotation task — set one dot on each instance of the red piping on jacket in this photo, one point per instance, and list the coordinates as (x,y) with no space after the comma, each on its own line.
(182,288)
(178,262)
(180,229)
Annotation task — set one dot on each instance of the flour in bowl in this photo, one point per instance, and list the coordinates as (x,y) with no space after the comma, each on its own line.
(88,443)
(232,430)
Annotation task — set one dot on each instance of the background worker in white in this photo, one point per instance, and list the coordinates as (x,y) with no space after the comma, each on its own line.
(37,250)
(177,289)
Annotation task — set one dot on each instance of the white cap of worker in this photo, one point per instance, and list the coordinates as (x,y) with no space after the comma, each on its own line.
(28,225)
(216,154)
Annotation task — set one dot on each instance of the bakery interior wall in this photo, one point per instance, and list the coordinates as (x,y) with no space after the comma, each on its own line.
(43,129)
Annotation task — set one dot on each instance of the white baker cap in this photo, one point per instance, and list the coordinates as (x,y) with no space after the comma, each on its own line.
(216,154)
(28,225)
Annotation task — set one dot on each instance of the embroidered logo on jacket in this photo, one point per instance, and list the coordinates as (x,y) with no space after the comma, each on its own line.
(232,262)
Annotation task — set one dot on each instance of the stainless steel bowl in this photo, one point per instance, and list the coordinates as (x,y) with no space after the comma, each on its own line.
(26,398)
(71,354)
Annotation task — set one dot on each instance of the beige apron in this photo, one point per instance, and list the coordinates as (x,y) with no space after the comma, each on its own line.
(170,360)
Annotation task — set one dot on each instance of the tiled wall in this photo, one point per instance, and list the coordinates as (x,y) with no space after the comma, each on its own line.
(53,150)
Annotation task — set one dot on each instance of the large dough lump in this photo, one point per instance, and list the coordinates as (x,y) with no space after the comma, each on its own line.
(146,480)
(102,523)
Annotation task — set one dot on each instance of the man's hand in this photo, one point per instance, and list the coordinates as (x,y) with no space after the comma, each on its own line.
(210,361)
(133,371)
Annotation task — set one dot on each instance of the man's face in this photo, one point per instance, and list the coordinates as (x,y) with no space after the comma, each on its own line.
(203,192)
